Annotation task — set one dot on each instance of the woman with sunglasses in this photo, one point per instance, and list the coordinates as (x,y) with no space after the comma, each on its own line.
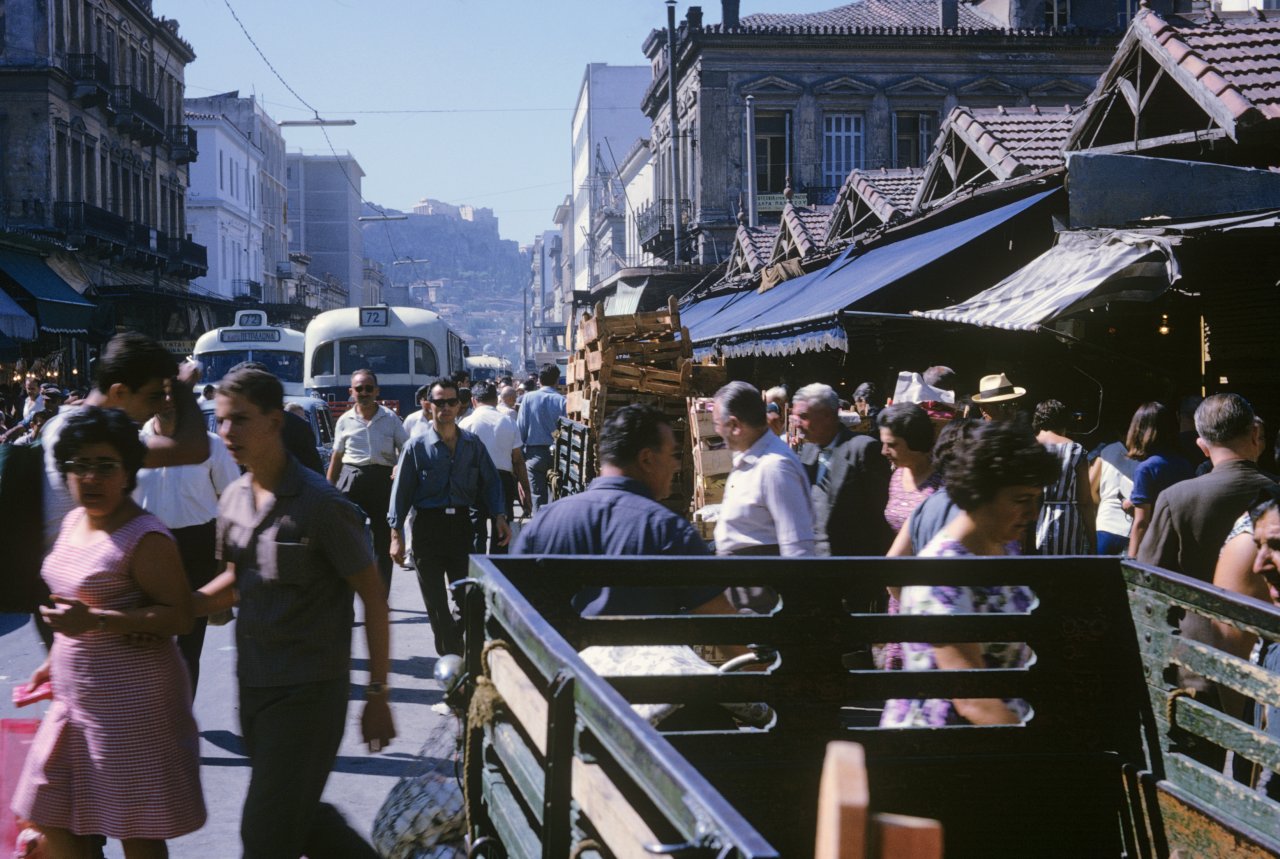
(117,753)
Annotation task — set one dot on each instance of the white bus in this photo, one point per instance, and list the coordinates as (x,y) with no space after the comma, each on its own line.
(488,368)
(405,346)
(251,338)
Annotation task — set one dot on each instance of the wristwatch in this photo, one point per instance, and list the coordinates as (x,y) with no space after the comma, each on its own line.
(376,690)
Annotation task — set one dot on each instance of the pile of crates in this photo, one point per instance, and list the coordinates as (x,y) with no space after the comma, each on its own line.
(640,358)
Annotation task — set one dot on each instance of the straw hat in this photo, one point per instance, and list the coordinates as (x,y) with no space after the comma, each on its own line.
(997,389)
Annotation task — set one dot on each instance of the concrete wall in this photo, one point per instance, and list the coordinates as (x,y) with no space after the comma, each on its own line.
(323,208)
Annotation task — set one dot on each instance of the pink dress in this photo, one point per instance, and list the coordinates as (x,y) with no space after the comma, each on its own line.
(117,753)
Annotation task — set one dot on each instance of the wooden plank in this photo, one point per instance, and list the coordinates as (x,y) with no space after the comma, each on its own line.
(899,836)
(1241,808)
(612,815)
(1227,732)
(843,797)
(1252,681)
(1190,832)
(709,463)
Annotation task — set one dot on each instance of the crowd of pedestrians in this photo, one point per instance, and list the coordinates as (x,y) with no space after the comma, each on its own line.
(153,524)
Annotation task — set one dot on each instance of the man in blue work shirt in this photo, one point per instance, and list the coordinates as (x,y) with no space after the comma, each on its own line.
(443,473)
(537,421)
(618,516)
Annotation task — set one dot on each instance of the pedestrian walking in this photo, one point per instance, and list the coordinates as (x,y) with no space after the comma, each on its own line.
(539,412)
(366,445)
(442,474)
(501,439)
(1065,525)
(117,752)
(295,551)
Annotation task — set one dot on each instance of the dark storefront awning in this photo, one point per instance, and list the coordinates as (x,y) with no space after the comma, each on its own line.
(803,313)
(59,308)
(1083,270)
(15,323)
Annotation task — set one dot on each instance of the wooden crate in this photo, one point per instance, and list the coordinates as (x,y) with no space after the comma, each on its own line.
(633,326)
(710,462)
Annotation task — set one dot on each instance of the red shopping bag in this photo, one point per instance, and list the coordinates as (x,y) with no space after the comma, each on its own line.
(16,736)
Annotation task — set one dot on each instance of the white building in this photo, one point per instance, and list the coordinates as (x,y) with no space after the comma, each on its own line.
(607,121)
(223,204)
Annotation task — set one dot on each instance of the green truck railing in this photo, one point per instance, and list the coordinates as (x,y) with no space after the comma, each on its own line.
(558,761)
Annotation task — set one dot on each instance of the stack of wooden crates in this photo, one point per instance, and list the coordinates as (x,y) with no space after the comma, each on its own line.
(640,358)
(711,460)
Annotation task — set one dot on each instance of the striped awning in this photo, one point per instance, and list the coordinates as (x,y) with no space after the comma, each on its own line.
(1081,271)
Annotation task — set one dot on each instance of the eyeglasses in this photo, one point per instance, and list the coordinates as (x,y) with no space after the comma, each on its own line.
(364,389)
(444,401)
(83,468)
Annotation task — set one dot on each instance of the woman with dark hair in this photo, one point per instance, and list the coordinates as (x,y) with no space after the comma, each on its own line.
(906,440)
(865,397)
(1065,526)
(1153,442)
(117,753)
(996,477)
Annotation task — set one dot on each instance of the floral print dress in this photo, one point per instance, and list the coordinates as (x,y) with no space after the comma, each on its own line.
(917,656)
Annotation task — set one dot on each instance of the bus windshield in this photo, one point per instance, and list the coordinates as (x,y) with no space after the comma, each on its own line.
(286,366)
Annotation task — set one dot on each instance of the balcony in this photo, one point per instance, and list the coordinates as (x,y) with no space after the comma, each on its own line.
(186,258)
(137,115)
(148,247)
(182,143)
(85,224)
(246,290)
(285,270)
(91,79)
(655,225)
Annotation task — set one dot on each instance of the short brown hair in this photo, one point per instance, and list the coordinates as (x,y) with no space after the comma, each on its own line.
(257,386)
(1154,428)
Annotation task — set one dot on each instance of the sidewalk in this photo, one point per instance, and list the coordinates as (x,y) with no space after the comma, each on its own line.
(360,781)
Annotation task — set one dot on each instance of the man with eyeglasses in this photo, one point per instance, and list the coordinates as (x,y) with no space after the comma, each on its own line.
(442,474)
(366,442)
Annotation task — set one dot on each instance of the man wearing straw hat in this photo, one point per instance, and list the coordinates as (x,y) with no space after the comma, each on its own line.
(997,398)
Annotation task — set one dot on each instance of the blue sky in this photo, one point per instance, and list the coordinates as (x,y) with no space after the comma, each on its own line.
(466,101)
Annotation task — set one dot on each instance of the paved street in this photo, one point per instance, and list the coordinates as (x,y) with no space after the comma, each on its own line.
(360,781)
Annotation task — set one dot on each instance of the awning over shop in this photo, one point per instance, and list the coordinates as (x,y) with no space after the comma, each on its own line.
(1083,270)
(626,298)
(59,308)
(804,311)
(15,323)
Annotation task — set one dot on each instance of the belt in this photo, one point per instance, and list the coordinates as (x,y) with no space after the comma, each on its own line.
(547,446)
(444,511)
(368,466)
(770,550)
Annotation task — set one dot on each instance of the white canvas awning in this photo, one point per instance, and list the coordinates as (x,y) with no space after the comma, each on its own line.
(1082,270)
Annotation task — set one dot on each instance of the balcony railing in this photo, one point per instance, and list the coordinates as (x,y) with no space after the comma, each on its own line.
(138,115)
(81,221)
(655,225)
(187,258)
(247,290)
(182,143)
(91,76)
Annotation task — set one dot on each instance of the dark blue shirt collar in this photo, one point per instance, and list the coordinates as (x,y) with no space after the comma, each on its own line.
(622,483)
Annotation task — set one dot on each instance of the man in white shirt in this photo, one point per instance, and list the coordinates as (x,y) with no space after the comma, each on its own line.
(418,422)
(185,498)
(34,401)
(501,439)
(766,508)
(507,401)
(366,447)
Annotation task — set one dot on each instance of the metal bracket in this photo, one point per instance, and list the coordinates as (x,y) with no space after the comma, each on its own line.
(558,791)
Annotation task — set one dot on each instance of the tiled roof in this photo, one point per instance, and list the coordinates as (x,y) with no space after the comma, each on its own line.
(807,226)
(887,192)
(1030,138)
(757,244)
(1236,59)
(865,16)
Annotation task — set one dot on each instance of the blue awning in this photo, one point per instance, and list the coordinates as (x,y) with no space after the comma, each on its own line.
(59,308)
(810,305)
(15,322)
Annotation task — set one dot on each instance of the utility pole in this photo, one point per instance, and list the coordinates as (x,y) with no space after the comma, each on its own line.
(675,131)
(751,161)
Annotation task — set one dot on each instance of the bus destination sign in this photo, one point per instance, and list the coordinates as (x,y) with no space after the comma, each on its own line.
(231,335)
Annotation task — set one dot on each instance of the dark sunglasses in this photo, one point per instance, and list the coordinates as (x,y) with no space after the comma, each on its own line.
(445,401)
(364,389)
